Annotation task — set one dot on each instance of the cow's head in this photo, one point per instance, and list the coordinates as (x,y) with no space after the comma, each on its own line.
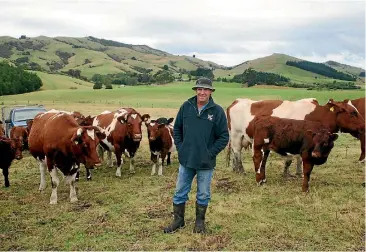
(133,121)
(155,127)
(322,142)
(348,119)
(87,121)
(16,145)
(78,117)
(29,125)
(84,143)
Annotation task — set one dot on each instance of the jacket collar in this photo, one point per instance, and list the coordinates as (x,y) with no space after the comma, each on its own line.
(193,101)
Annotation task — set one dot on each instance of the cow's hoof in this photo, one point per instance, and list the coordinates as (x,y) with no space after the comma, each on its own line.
(53,202)
(152,174)
(73,200)
(88,178)
(132,172)
(76,179)
(118,174)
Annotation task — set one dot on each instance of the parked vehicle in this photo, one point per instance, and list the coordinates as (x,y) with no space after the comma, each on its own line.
(18,115)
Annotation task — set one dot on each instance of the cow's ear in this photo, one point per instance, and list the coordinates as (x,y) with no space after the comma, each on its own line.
(101,135)
(170,120)
(346,100)
(334,136)
(122,118)
(76,138)
(145,117)
(309,134)
(330,101)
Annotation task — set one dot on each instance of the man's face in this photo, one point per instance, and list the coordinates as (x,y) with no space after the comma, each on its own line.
(203,94)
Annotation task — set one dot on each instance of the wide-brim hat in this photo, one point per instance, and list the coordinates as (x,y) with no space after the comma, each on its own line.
(204,83)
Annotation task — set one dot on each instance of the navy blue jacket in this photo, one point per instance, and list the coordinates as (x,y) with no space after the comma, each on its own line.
(200,137)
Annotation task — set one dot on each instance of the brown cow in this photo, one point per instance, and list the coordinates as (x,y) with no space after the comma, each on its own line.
(22,134)
(311,140)
(58,142)
(10,149)
(123,131)
(333,115)
(161,142)
(2,131)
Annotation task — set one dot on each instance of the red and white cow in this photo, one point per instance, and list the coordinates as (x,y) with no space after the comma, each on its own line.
(123,131)
(10,149)
(57,141)
(334,115)
(161,142)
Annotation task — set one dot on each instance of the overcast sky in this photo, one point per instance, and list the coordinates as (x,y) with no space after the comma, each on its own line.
(227,32)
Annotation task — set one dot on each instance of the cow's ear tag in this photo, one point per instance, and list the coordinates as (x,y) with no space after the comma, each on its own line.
(331,109)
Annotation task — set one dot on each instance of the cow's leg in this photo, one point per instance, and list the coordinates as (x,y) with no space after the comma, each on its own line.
(6,176)
(77,166)
(70,179)
(257,160)
(288,162)
(263,166)
(132,163)
(155,159)
(307,168)
(100,151)
(88,174)
(54,182)
(119,161)
(161,164)
(298,166)
(236,146)
(109,159)
(168,159)
(42,170)
(362,141)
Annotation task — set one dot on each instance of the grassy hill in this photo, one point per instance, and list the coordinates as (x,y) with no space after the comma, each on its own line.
(92,55)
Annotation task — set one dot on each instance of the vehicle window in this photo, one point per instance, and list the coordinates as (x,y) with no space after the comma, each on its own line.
(25,115)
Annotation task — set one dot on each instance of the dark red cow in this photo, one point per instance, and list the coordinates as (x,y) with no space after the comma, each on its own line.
(161,142)
(59,142)
(10,149)
(311,140)
(123,131)
(22,134)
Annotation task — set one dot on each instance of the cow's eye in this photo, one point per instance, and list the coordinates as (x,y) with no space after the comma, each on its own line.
(354,113)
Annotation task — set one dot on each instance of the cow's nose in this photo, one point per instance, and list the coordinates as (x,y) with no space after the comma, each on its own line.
(315,154)
(137,136)
(152,138)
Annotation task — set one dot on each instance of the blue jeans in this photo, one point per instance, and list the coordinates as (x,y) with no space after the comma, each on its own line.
(184,184)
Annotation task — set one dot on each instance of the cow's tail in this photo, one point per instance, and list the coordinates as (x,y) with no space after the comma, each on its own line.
(228,151)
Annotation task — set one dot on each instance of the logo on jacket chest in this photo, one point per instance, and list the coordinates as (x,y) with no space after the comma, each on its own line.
(210,117)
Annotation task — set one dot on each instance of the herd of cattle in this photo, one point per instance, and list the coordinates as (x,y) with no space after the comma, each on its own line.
(64,140)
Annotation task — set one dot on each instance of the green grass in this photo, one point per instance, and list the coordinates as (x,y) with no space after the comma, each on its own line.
(128,213)
(171,95)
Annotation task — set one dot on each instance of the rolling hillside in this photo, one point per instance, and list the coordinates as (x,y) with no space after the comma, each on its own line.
(92,56)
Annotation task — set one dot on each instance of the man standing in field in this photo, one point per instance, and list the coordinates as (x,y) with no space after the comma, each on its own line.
(200,134)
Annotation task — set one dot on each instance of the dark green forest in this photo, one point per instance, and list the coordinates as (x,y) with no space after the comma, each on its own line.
(14,80)
(321,69)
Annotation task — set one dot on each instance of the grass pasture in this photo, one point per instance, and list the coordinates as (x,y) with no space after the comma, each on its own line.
(128,213)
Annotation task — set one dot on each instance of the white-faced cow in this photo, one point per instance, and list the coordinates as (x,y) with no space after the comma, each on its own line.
(57,141)
(333,115)
(10,149)
(161,142)
(311,140)
(123,131)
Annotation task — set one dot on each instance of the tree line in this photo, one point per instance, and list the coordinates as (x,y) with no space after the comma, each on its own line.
(252,77)
(14,80)
(321,69)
